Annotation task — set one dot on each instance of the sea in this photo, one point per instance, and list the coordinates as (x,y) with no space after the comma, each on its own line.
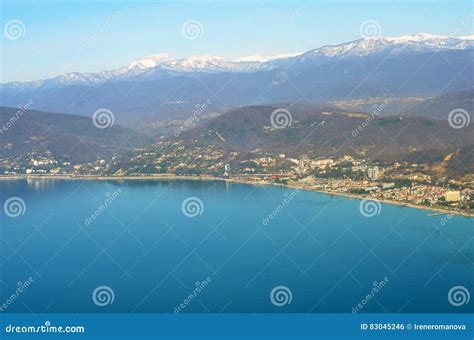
(187,246)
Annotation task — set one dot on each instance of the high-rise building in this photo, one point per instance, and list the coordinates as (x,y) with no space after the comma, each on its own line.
(373,173)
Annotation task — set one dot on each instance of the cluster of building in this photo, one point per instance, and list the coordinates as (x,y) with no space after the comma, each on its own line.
(388,181)
(46,164)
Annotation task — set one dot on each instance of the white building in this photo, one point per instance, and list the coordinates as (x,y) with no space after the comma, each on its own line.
(373,173)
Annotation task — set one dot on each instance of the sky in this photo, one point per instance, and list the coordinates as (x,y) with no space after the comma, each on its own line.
(90,36)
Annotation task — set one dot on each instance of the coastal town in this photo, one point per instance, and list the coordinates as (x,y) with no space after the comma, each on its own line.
(399,182)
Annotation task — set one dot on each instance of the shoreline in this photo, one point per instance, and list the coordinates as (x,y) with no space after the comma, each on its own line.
(234,180)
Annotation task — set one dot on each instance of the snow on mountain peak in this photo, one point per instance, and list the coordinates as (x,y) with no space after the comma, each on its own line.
(412,42)
(418,37)
(205,57)
(359,47)
(150,61)
(199,61)
(164,65)
(262,59)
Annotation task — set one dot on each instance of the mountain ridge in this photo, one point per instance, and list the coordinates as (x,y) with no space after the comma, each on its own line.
(25,132)
(420,42)
(326,131)
(145,95)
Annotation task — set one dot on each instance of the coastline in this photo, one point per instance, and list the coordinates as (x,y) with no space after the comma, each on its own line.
(235,180)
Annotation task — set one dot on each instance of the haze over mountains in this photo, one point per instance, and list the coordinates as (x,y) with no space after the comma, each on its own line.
(160,88)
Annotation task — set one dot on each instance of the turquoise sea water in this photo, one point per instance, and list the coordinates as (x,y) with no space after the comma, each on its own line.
(230,256)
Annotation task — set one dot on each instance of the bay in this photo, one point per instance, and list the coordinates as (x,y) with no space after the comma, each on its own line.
(229,248)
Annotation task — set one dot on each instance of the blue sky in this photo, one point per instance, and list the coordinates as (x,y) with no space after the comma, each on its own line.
(89,36)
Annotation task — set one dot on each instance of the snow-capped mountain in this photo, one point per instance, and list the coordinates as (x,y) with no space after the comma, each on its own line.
(420,42)
(149,62)
(152,67)
(262,59)
(163,65)
(201,64)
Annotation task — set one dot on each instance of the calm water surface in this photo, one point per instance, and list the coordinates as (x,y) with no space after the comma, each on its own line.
(153,257)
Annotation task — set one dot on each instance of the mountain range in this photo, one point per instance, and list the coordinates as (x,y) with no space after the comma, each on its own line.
(63,136)
(159,88)
(326,131)
(249,132)
(163,65)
